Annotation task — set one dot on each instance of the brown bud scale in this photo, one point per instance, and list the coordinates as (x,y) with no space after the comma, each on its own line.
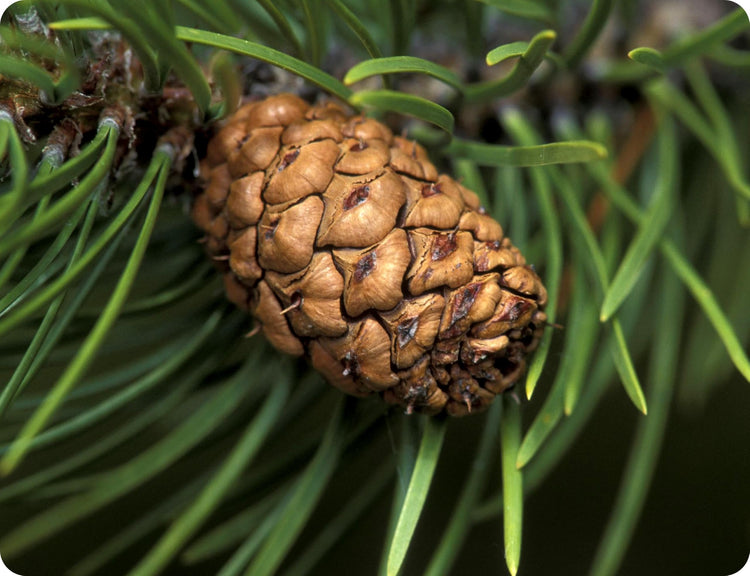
(347,246)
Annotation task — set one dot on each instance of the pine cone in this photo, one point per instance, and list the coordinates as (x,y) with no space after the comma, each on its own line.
(347,245)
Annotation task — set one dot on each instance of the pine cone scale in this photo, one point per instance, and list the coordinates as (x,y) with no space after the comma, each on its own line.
(347,245)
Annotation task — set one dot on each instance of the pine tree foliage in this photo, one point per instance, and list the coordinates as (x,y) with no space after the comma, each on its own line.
(145,430)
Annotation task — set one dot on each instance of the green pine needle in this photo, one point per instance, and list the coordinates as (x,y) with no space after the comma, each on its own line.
(592,27)
(401,65)
(537,155)
(533,9)
(405,104)
(456,532)
(11,202)
(510,438)
(416,494)
(650,231)
(254,50)
(529,60)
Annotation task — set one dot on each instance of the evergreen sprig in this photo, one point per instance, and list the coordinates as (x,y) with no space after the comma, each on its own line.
(123,370)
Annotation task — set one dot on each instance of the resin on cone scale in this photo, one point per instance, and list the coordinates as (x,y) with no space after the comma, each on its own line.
(347,246)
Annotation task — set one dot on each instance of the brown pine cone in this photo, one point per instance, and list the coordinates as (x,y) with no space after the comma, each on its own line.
(347,245)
